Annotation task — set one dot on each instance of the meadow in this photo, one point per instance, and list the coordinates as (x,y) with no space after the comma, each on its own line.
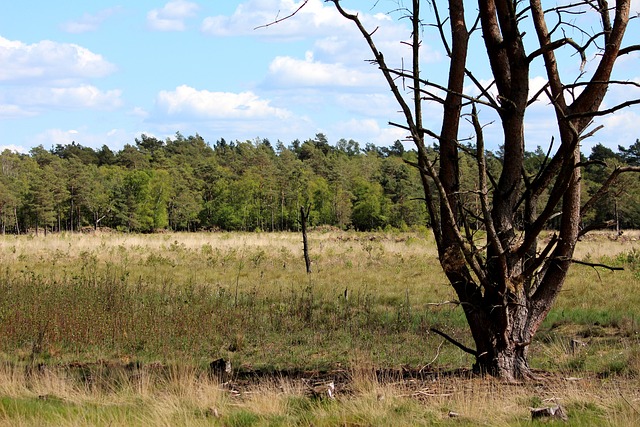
(121,329)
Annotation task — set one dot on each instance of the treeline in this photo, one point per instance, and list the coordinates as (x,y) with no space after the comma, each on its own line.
(185,184)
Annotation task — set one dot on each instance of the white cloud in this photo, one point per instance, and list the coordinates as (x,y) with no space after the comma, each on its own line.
(139,112)
(51,137)
(337,37)
(368,130)
(14,148)
(172,16)
(79,97)
(113,138)
(620,128)
(186,101)
(370,105)
(339,56)
(312,19)
(12,111)
(285,71)
(49,61)
(89,22)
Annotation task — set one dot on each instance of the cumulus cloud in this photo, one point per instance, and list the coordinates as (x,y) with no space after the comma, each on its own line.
(85,96)
(312,19)
(89,22)
(56,136)
(172,16)
(139,112)
(369,131)
(369,104)
(49,61)
(12,111)
(338,58)
(112,138)
(285,72)
(13,148)
(186,101)
(620,128)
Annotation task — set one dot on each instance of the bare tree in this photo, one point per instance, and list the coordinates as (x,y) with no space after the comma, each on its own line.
(506,283)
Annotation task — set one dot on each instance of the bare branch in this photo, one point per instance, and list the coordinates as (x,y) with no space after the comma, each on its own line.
(604,188)
(534,98)
(454,302)
(428,169)
(492,236)
(540,259)
(595,264)
(455,342)
(440,26)
(591,133)
(426,131)
(608,82)
(278,20)
(484,91)
(629,49)
(557,44)
(489,103)
(596,226)
(602,112)
(379,59)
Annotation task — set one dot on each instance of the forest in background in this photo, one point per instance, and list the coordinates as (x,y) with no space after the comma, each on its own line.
(185,184)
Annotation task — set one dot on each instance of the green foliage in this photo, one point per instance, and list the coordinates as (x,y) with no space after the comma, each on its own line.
(184,184)
(370,207)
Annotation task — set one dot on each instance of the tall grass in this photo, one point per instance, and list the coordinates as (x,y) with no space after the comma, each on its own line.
(180,396)
(230,295)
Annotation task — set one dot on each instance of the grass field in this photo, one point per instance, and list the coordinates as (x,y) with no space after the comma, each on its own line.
(115,329)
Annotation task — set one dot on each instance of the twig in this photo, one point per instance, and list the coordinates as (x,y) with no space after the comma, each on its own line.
(277,20)
(455,302)
(595,264)
(602,112)
(627,402)
(434,359)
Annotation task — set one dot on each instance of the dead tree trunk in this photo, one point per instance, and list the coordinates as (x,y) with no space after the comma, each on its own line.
(304,216)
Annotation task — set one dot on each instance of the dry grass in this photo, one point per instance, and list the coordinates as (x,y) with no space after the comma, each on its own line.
(599,244)
(189,397)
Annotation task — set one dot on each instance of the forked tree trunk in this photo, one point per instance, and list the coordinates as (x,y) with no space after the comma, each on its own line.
(506,287)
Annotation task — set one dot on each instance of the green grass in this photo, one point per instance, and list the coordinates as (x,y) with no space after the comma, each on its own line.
(246,296)
(99,312)
(52,411)
(160,297)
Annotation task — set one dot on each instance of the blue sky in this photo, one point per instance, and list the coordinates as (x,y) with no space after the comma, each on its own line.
(104,72)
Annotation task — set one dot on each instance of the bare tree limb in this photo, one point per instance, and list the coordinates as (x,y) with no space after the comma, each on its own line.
(454,342)
(595,264)
(629,49)
(596,226)
(556,45)
(492,236)
(604,188)
(590,114)
(447,90)
(278,20)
